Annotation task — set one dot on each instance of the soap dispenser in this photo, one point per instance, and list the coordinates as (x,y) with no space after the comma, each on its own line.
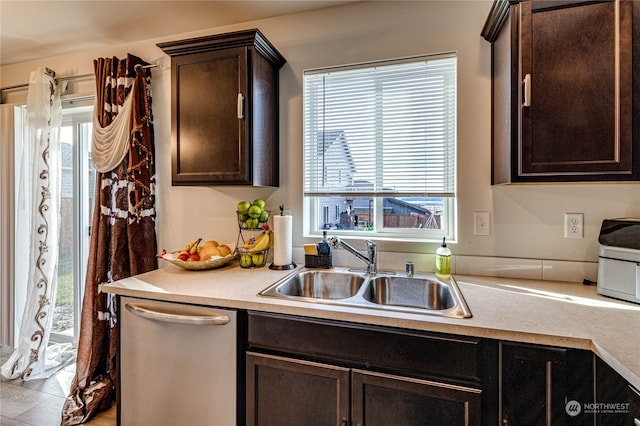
(443,260)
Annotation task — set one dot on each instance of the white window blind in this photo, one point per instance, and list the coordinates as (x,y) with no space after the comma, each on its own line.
(381,129)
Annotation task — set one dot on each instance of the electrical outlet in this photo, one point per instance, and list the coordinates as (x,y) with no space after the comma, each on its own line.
(574,225)
(481,223)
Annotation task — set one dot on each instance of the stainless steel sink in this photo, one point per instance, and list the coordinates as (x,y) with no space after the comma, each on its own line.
(321,285)
(411,292)
(424,294)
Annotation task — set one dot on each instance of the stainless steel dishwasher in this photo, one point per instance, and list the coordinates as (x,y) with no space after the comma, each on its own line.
(177,364)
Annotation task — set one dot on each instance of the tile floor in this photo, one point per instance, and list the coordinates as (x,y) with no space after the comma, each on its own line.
(39,402)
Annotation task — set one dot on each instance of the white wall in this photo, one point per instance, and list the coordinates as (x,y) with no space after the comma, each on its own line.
(526,221)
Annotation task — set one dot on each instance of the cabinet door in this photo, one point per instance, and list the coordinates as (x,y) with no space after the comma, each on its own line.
(619,401)
(289,392)
(209,117)
(543,385)
(634,405)
(382,399)
(576,103)
(224,109)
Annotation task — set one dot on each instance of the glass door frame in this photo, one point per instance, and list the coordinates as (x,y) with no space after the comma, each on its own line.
(78,114)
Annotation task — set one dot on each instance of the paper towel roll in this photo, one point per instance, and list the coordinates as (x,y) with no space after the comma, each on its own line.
(282,252)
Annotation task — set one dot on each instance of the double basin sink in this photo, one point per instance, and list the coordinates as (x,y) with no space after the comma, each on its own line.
(423,294)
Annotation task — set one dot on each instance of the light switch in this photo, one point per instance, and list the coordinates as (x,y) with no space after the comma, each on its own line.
(481,223)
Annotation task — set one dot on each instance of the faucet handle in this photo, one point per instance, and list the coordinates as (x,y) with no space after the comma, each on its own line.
(409,269)
(371,249)
(373,256)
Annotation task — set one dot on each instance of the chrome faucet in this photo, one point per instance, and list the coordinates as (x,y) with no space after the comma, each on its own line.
(371,260)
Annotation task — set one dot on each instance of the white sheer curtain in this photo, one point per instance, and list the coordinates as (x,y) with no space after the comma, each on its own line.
(37,232)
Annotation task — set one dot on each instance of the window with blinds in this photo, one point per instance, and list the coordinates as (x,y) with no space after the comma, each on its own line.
(380,147)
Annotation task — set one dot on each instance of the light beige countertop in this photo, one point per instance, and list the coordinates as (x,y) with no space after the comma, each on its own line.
(541,312)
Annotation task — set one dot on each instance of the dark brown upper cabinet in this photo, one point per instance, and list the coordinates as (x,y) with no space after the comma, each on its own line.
(224,115)
(563,91)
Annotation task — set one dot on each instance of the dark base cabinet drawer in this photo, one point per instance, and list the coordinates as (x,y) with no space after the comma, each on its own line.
(414,353)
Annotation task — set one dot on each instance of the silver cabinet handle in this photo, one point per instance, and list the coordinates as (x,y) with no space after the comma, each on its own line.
(240,106)
(177,319)
(527,90)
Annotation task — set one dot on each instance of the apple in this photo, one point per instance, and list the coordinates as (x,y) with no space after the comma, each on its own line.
(254,211)
(259,202)
(243,206)
(264,216)
(251,223)
(194,257)
(258,259)
(245,260)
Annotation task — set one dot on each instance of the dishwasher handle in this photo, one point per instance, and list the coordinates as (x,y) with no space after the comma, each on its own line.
(177,319)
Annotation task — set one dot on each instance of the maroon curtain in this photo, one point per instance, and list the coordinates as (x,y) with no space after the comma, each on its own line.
(123,238)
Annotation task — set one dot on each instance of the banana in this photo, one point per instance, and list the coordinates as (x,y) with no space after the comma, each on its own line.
(257,244)
(192,248)
(261,243)
(249,243)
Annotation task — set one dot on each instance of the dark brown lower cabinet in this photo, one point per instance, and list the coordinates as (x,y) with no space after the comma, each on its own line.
(618,402)
(306,371)
(382,399)
(545,385)
(284,391)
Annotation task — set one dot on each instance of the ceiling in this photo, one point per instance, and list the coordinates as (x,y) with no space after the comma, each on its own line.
(35,29)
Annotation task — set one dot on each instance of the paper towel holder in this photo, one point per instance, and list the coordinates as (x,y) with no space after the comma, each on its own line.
(291,265)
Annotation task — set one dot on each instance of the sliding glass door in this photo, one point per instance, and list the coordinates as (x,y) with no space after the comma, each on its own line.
(76,208)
